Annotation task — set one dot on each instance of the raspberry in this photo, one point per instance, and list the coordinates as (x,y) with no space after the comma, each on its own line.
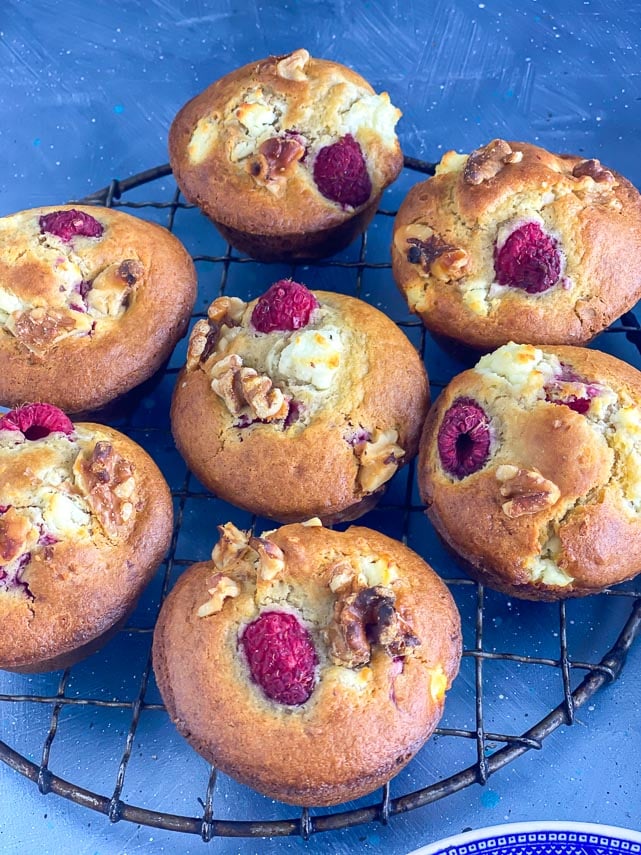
(529,259)
(340,173)
(281,657)
(36,421)
(464,438)
(287,305)
(68,224)
(572,391)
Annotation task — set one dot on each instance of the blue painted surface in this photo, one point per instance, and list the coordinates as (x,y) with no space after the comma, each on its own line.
(87,93)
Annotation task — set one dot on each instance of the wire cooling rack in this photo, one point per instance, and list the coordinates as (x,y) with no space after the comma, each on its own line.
(98,733)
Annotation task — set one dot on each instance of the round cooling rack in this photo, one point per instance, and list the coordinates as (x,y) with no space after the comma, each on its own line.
(98,733)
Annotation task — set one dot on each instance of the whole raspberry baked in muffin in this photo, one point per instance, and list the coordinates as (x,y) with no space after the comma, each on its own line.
(299,403)
(514,243)
(530,467)
(288,156)
(92,302)
(318,660)
(85,519)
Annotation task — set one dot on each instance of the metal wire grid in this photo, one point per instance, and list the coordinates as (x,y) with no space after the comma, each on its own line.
(488,760)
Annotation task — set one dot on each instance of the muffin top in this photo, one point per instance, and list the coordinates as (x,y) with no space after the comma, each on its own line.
(306,138)
(78,287)
(313,383)
(530,465)
(515,243)
(74,498)
(305,634)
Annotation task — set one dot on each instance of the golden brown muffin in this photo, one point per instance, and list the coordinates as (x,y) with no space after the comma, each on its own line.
(92,302)
(318,660)
(288,156)
(298,404)
(85,519)
(513,243)
(530,467)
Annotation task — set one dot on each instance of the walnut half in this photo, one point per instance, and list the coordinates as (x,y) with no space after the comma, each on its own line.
(221,588)
(593,169)
(527,491)
(378,459)
(363,619)
(243,388)
(107,481)
(488,161)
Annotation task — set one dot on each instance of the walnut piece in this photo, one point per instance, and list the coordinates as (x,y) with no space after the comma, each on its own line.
(363,619)
(107,481)
(223,314)
(197,344)
(488,161)
(279,153)
(222,588)
(593,169)
(421,245)
(14,533)
(527,490)
(232,547)
(110,290)
(378,459)
(271,560)
(244,389)
(40,328)
(227,310)
(292,64)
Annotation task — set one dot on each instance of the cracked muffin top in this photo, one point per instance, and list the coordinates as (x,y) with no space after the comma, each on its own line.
(91,302)
(85,517)
(530,467)
(514,243)
(286,145)
(312,399)
(347,636)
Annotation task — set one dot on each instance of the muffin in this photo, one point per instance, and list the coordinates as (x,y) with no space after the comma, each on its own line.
(85,519)
(92,302)
(318,660)
(288,156)
(513,243)
(298,404)
(530,467)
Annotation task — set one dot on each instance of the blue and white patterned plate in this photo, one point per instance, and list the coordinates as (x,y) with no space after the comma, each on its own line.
(539,838)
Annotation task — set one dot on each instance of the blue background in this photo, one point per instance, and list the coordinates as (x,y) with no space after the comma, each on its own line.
(87,93)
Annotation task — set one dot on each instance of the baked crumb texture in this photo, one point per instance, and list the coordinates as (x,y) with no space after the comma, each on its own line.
(451,261)
(550,505)
(376,645)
